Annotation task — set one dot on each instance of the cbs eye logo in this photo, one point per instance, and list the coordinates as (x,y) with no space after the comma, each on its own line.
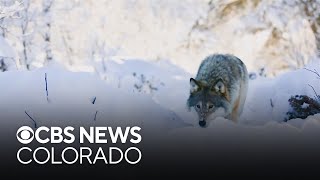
(25,134)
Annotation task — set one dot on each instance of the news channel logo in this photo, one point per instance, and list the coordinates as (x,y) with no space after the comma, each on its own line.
(25,135)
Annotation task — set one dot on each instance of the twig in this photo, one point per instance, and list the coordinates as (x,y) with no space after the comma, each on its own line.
(94,100)
(314,92)
(45,79)
(271,103)
(313,71)
(95,116)
(35,123)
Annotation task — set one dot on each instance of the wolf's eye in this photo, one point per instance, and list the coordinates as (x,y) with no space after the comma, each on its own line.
(210,106)
(198,106)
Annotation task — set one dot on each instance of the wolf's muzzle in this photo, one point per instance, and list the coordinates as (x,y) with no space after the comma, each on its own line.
(202,123)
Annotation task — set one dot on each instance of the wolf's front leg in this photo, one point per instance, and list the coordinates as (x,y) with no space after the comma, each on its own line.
(235,111)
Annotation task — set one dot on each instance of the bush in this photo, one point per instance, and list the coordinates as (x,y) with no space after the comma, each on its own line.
(302,107)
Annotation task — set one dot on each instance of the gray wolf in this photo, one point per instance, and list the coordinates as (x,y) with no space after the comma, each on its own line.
(219,89)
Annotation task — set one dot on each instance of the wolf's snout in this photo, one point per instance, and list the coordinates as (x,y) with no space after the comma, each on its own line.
(202,123)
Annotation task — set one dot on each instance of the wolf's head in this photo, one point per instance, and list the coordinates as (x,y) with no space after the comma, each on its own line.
(208,99)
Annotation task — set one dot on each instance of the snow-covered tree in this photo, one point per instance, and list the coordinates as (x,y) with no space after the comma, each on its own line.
(46,30)
(312,11)
(8,11)
(26,18)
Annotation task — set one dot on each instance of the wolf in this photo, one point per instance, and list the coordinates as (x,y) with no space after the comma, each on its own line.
(219,88)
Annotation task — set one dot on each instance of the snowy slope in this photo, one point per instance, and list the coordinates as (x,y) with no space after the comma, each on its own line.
(120,102)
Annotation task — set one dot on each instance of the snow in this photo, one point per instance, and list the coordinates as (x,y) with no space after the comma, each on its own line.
(10,11)
(120,102)
(305,105)
(275,35)
(6,50)
(136,61)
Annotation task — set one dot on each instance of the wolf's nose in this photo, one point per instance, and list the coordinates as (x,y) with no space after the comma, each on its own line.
(202,123)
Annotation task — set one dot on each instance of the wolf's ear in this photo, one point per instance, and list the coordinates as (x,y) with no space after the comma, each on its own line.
(219,87)
(194,86)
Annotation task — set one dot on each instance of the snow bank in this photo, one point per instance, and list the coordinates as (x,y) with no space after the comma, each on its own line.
(149,94)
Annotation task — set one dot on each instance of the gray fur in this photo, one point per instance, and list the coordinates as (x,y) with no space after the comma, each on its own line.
(214,71)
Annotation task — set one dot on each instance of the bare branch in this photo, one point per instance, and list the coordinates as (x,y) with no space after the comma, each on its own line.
(95,116)
(313,71)
(46,81)
(315,92)
(271,103)
(35,123)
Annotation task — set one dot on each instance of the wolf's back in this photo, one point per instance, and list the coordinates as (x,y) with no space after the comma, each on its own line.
(228,68)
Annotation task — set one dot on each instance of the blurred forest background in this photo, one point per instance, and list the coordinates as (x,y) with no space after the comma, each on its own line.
(270,36)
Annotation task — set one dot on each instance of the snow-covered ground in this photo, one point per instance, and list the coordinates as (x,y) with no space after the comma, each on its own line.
(149,94)
(129,62)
